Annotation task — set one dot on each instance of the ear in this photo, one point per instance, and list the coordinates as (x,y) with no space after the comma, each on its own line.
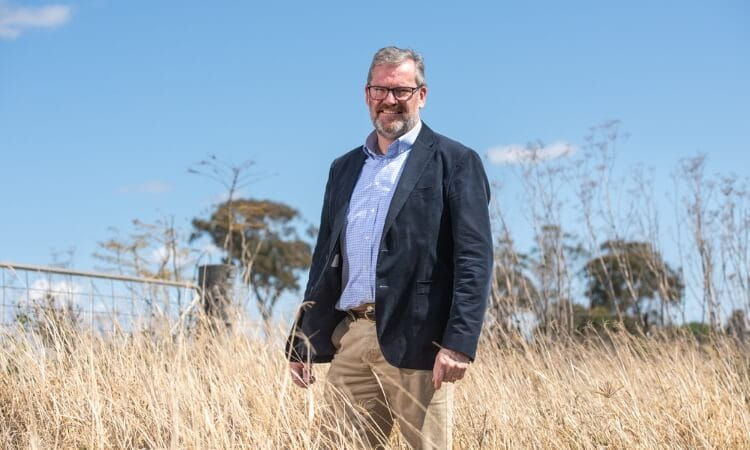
(367,97)
(422,96)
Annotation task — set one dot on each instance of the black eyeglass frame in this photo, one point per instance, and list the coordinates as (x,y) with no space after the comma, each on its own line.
(393,91)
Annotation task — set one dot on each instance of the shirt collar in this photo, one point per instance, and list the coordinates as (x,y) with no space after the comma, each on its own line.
(397,147)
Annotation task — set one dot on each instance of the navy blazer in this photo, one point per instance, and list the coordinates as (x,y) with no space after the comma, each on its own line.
(435,262)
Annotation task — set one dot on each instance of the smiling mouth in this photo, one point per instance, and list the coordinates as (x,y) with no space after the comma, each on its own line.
(390,112)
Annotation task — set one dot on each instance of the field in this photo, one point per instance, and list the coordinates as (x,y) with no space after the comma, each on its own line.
(73,390)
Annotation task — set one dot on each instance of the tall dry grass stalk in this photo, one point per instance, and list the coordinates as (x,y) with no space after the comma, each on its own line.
(158,391)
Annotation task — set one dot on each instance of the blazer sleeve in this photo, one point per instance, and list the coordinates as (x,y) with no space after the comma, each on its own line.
(324,234)
(468,198)
(296,347)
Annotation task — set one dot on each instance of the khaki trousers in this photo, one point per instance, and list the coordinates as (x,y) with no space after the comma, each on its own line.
(370,394)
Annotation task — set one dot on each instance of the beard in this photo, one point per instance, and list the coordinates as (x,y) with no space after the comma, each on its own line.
(395,128)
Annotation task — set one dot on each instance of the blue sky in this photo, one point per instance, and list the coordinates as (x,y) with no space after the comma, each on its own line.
(104,105)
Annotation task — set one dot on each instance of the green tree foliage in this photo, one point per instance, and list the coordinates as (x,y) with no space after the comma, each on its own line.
(627,277)
(260,237)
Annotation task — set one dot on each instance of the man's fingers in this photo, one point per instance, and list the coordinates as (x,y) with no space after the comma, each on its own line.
(438,372)
(453,371)
(297,376)
(447,369)
(301,374)
(307,374)
(457,371)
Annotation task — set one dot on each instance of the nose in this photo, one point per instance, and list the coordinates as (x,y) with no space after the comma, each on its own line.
(390,98)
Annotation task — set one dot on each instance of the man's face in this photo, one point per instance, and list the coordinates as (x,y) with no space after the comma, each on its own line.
(392,117)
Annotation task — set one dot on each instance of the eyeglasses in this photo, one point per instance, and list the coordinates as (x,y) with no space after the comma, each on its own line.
(399,93)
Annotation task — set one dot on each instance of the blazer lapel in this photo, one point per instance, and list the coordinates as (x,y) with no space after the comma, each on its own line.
(349,175)
(413,168)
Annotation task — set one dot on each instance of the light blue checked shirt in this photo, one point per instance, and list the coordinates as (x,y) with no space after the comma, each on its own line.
(366,216)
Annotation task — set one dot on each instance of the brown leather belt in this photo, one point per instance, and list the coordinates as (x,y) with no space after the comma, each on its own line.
(365,311)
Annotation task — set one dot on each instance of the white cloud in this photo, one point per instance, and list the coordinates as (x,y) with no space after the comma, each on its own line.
(516,154)
(148,187)
(14,20)
(63,292)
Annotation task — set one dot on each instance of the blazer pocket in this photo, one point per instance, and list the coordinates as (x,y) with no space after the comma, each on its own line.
(425,192)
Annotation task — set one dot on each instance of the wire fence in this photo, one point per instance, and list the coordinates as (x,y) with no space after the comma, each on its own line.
(99,301)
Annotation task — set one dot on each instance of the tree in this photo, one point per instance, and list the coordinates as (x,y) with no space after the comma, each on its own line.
(512,291)
(260,237)
(702,221)
(538,283)
(628,276)
(555,253)
(150,250)
(232,177)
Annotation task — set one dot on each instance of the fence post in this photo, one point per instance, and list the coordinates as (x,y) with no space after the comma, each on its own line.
(215,281)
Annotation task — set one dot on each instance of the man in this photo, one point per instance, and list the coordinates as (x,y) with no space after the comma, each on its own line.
(401,269)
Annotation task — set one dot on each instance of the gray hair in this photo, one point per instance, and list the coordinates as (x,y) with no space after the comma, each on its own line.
(394,55)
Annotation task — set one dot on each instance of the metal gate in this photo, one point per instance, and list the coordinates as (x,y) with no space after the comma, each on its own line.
(99,301)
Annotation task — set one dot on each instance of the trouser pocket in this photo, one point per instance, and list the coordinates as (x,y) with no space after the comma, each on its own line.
(339,332)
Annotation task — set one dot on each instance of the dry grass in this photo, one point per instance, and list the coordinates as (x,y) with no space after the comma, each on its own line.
(146,392)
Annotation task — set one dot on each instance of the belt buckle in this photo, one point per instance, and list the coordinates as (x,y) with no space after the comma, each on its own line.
(367,313)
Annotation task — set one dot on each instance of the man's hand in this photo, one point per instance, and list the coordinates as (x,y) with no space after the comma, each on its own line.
(450,367)
(302,373)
